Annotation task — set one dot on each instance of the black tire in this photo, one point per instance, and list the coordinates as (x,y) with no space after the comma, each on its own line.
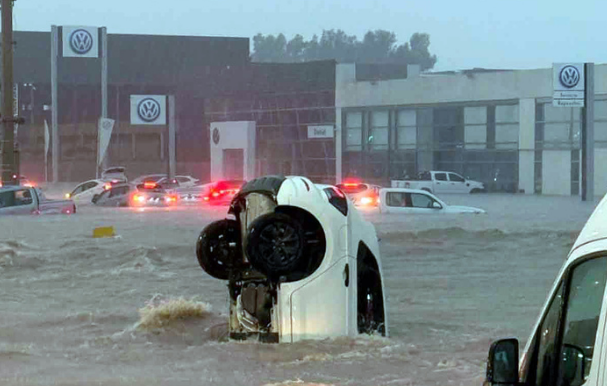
(218,248)
(370,302)
(274,245)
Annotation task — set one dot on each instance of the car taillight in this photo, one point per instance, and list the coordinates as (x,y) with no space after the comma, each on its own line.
(107,186)
(149,185)
(215,194)
(366,200)
(206,198)
(139,198)
(170,199)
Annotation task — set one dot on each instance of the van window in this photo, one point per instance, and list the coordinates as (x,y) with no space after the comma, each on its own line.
(563,346)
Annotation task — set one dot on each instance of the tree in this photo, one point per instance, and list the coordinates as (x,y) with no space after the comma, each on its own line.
(377,46)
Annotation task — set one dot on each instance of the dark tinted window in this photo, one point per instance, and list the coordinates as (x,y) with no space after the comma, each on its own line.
(119,191)
(440,176)
(7,199)
(456,177)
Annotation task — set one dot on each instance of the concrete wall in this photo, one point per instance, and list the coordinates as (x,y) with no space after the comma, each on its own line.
(233,135)
(432,89)
(526,144)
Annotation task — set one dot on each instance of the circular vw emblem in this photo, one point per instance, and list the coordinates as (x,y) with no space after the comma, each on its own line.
(216,136)
(81,41)
(148,109)
(569,76)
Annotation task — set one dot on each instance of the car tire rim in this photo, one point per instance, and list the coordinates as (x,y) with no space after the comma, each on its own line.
(279,243)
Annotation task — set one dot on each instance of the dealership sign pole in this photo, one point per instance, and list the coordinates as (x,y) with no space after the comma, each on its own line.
(573,86)
(54,102)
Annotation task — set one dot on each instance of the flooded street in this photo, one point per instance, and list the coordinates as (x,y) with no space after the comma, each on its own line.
(71,303)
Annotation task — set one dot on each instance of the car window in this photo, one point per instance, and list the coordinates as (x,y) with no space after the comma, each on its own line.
(419,200)
(567,361)
(7,199)
(440,176)
(23,197)
(396,199)
(78,189)
(105,194)
(456,177)
(89,185)
(119,191)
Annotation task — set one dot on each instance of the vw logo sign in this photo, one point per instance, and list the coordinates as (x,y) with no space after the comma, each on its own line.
(148,109)
(216,136)
(81,41)
(569,76)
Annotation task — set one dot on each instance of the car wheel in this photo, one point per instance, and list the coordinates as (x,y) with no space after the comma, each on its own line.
(275,244)
(370,302)
(218,248)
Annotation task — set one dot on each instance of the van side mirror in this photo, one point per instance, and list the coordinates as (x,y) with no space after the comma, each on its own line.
(502,364)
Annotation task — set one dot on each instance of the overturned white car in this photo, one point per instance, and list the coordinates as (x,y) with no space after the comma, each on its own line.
(300,263)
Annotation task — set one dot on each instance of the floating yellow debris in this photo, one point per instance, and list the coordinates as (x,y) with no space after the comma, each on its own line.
(103,232)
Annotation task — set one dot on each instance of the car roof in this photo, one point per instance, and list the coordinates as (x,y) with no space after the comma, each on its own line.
(596,226)
(9,188)
(405,190)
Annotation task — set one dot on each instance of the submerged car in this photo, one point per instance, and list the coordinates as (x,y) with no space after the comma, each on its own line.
(360,193)
(83,193)
(221,192)
(414,201)
(153,194)
(300,262)
(119,195)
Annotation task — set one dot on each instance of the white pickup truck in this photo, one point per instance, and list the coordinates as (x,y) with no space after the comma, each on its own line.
(30,200)
(438,182)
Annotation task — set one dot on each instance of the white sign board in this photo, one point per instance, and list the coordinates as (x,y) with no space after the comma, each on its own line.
(105,128)
(80,42)
(568,84)
(148,110)
(325,131)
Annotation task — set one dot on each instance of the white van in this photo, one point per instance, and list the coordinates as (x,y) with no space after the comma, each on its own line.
(568,345)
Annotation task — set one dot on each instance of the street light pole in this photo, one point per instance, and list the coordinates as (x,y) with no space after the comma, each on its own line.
(8,120)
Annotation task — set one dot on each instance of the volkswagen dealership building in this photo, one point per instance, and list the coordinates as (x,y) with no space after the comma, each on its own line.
(385,122)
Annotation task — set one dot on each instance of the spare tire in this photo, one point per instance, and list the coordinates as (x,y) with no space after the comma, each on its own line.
(219,248)
(275,245)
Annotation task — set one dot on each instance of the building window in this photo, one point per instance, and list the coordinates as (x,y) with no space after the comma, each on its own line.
(475,129)
(600,123)
(378,132)
(561,126)
(354,126)
(506,127)
(406,129)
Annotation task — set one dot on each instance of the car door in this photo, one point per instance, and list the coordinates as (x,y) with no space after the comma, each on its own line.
(457,183)
(394,201)
(423,203)
(17,202)
(566,341)
(441,183)
(84,193)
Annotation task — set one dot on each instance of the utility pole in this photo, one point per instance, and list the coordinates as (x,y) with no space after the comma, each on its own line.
(8,120)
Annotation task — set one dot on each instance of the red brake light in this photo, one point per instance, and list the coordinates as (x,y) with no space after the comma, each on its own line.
(215,194)
(149,185)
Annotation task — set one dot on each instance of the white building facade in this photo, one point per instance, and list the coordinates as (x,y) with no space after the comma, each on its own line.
(498,127)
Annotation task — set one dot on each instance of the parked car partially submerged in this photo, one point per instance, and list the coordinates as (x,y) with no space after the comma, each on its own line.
(30,200)
(300,261)
(414,201)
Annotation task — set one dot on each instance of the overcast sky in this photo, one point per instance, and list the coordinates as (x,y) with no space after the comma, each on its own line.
(464,33)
